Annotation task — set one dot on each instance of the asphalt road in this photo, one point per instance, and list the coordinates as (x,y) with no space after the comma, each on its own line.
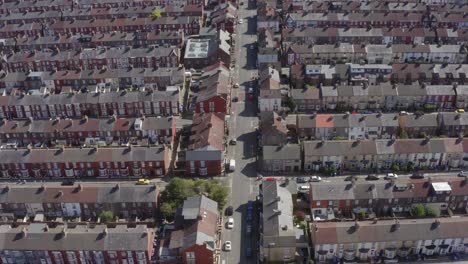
(242,123)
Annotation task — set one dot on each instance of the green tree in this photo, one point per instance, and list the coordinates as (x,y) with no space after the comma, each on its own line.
(418,211)
(106,216)
(219,194)
(395,167)
(401,132)
(291,104)
(432,211)
(178,190)
(155,14)
(168,210)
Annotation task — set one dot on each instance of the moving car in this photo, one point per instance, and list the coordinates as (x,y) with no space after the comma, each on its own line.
(227,246)
(463,174)
(301,180)
(229,211)
(372,177)
(143,182)
(230,223)
(304,187)
(315,179)
(460,110)
(232,165)
(391,176)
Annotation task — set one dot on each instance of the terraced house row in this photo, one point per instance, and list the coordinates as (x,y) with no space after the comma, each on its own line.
(379,125)
(103,162)
(93,40)
(351,73)
(379,54)
(78,105)
(45,5)
(187,24)
(87,59)
(81,200)
(383,197)
(89,130)
(412,6)
(99,13)
(100,80)
(366,155)
(39,242)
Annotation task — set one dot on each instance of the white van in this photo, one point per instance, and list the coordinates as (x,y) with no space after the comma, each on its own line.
(232,165)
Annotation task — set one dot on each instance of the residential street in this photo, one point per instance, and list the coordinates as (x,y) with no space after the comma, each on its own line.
(242,123)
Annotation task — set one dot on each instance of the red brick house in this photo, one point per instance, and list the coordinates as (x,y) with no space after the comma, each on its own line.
(224,17)
(213,96)
(113,162)
(39,243)
(195,238)
(90,104)
(205,154)
(78,131)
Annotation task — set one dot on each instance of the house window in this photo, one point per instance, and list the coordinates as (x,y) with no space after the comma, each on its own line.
(190,257)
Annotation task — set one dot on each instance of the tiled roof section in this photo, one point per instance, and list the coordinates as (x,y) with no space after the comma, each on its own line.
(87,54)
(200,215)
(90,124)
(385,231)
(324,121)
(91,98)
(363,190)
(207,132)
(383,146)
(82,237)
(271,123)
(286,152)
(126,23)
(117,154)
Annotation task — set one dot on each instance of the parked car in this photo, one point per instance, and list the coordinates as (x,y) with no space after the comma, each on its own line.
(233,141)
(301,180)
(372,177)
(250,205)
(241,21)
(315,179)
(236,85)
(68,182)
(229,211)
(227,246)
(304,187)
(417,175)
(143,182)
(391,176)
(248,252)
(250,90)
(463,174)
(460,110)
(235,99)
(230,223)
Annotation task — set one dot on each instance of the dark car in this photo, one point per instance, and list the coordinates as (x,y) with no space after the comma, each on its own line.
(248,252)
(372,177)
(235,99)
(301,180)
(250,205)
(68,182)
(417,175)
(229,210)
